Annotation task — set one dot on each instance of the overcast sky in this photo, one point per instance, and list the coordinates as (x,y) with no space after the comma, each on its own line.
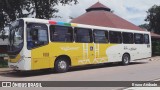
(131,10)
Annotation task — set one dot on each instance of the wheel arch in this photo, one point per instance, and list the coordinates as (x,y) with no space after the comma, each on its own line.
(127,54)
(68,59)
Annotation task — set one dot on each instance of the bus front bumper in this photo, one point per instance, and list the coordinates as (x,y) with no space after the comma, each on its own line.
(22,65)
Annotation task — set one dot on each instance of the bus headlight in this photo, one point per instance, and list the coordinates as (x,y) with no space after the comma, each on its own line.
(22,58)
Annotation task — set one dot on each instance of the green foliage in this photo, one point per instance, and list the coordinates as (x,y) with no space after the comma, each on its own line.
(10,10)
(144,26)
(153,18)
(3,63)
(156,47)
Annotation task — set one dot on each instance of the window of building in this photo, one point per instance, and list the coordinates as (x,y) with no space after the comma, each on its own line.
(146,39)
(61,33)
(100,36)
(138,38)
(37,35)
(83,35)
(115,37)
(127,38)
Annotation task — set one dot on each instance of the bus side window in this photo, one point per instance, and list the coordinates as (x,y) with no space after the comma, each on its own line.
(115,37)
(37,35)
(100,36)
(138,38)
(146,39)
(61,33)
(127,38)
(83,35)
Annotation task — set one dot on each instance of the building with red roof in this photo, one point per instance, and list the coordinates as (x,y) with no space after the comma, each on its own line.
(100,15)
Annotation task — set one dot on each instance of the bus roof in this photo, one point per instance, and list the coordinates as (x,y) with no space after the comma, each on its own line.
(52,22)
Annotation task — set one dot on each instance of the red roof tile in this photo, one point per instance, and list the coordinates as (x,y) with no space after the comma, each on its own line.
(106,19)
(154,35)
(100,15)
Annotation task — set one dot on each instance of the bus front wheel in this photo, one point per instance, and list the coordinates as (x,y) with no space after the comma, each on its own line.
(125,59)
(61,65)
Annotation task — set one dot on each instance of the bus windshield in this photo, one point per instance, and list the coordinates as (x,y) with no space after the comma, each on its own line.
(16,37)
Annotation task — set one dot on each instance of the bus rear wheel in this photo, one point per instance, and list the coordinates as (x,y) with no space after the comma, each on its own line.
(125,59)
(61,65)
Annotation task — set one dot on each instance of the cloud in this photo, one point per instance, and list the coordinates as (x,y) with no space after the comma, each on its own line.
(131,10)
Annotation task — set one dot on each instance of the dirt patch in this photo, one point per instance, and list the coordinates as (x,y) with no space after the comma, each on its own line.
(157,58)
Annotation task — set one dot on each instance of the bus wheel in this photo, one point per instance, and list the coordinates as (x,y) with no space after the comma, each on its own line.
(61,65)
(125,59)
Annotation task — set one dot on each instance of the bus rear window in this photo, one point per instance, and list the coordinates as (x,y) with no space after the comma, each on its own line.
(146,39)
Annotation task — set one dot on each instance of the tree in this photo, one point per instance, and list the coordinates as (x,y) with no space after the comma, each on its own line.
(44,9)
(3,35)
(153,18)
(10,10)
(144,26)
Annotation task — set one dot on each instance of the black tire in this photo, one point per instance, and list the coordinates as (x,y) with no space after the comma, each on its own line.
(61,65)
(125,59)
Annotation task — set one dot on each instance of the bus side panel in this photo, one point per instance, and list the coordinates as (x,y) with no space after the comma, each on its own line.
(40,57)
(115,53)
(136,51)
(85,53)
(79,53)
(100,54)
(45,56)
(72,50)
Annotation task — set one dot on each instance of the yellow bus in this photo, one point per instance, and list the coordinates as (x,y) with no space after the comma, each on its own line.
(36,44)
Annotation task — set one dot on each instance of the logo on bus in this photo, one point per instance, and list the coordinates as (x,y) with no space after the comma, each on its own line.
(69,48)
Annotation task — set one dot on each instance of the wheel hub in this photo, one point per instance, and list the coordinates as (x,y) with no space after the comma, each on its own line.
(62,65)
(126,59)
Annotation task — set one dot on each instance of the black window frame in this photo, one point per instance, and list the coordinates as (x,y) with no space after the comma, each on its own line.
(27,35)
(69,28)
(145,39)
(106,36)
(135,41)
(124,38)
(90,34)
(114,37)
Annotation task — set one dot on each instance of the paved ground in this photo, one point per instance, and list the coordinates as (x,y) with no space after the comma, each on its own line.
(141,70)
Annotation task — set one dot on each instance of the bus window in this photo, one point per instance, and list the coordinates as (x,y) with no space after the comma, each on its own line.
(138,38)
(83,35)
(100,36)
(37,35)
(61,33)
(115,37)
(127,38)
(146,39)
